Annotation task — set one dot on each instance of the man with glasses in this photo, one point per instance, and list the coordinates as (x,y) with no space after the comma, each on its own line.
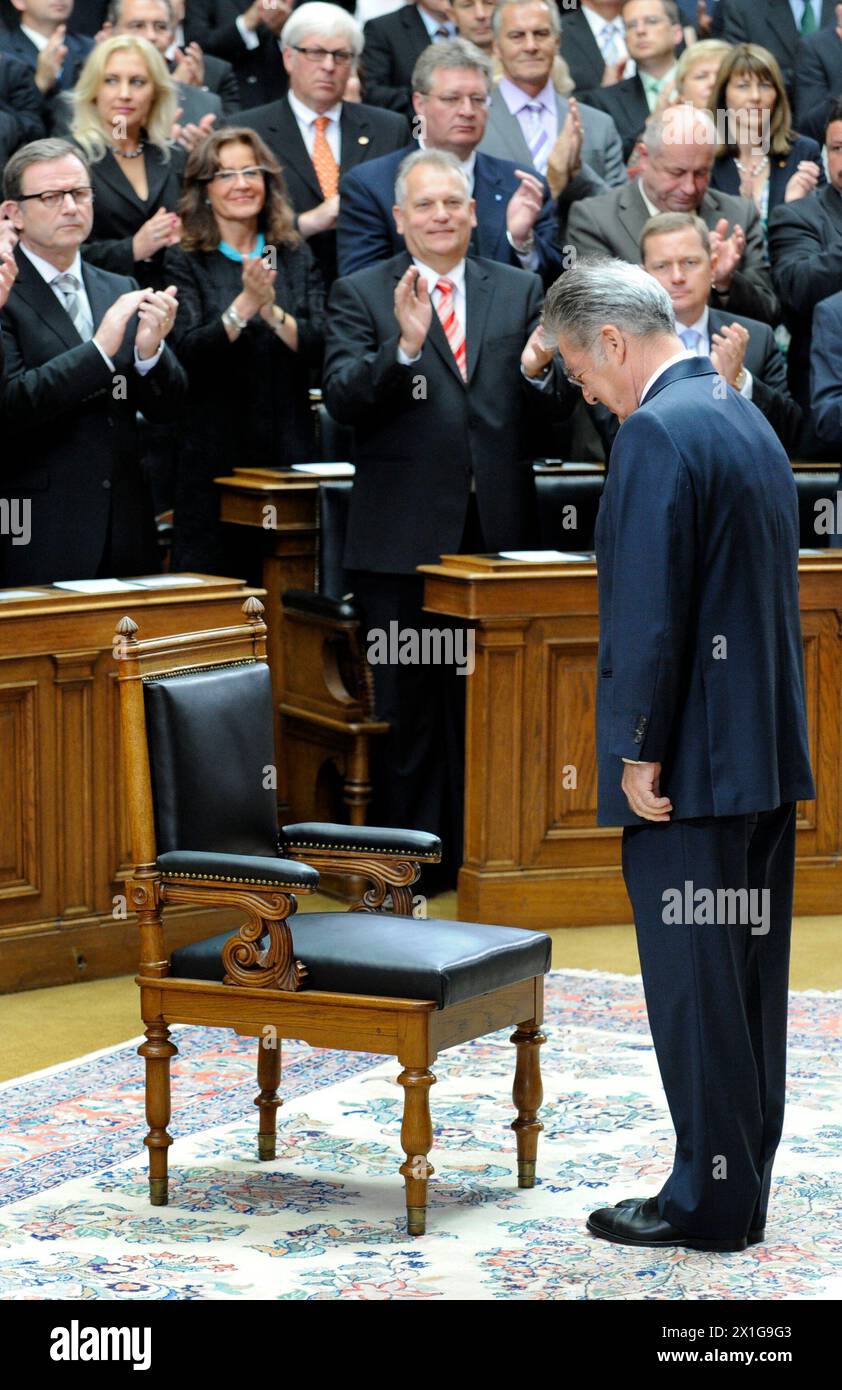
(317,135)
(516,220)
(85,352)
(653,34)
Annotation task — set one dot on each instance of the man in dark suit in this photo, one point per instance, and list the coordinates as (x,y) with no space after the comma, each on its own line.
(826,374)
(675,248)
(84,352)
(515,216)
(817,69)
(423,360)
(701,740)
(21,107)
(593,43)
(45,42)
(314,133)
(805,245)
(393,45)
(246,34)
(773,26)
(676,159)
(653,34)
(204,70)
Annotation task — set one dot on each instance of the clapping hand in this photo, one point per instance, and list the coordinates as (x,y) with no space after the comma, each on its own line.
(160,230)
(413,311)
(191,135)
(524,206)
(8,275)
(156,313)
(258,285)
(565,159)
(728,350)
(803,181)
(189,65)
(729,252)
(50,61)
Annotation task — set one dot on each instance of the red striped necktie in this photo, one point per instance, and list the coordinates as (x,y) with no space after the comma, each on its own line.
(452,327)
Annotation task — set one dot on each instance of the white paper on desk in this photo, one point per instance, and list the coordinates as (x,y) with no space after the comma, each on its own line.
(93,586)
(543,557)
(325,470)
(166,581)
(7,595)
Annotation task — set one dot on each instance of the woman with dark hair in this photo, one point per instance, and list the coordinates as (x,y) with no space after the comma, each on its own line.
(251,328)
(761,157)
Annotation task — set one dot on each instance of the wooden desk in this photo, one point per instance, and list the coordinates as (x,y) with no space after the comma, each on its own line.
(534,855)
(64,843)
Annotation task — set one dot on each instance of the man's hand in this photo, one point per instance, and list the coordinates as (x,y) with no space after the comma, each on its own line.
(565,158)
(50,61)
(640,786)
(803,181)
(156,312)
(613,73)
(189,65)
(704,21)
(160,230)
(320,219)
(274,14)
(536,356)
(729,252)
(8,236)
(413,311)
(728,350)
(524,207)
(112,329)
(189,136)
(8,275)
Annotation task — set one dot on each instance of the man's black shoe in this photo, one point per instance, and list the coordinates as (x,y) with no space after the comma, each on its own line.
(755,1237)
(642,1224)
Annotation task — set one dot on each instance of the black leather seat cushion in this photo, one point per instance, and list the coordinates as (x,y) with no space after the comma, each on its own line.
(396,957)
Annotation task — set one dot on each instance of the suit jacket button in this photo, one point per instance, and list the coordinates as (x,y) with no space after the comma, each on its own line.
(106,482)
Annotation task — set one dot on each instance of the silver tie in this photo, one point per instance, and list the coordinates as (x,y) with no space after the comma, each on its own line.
(69,287)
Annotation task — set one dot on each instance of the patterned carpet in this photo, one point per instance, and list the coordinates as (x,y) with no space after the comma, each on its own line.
(325,1220)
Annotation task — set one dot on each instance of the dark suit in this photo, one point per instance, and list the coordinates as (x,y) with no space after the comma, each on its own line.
(726,177)
(90,15)
(420,433)
(826,372)
(260,72)
(627,106)
(71,440)
(366,231)
(393,44)
(119,213)
(705,479)
(580,51)
(78,46)
(771,25)
(21,107)
(221,80)
(805,244)
(611,226)
(365,134)
(818,71)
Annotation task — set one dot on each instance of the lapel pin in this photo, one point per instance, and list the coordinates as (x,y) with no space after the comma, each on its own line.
(497,197)
(362,140)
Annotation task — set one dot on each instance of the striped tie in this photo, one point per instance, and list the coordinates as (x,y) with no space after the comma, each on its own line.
(326,167)
(69,287)
(537,138)
(451,325)
(610,42)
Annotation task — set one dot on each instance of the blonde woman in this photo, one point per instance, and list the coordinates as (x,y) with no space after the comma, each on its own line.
(695,73)
(124,106)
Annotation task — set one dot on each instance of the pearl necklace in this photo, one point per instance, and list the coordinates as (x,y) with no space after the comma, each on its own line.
(133,154)
(752,170)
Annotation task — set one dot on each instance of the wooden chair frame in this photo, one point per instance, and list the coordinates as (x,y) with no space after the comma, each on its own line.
(264,994)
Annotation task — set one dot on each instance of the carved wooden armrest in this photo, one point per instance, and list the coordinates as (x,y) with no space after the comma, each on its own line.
(389,859)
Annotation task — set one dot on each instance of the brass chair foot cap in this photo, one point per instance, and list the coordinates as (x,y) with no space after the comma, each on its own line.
(158,1194)
(526,1172)
(416,1221)
(266,1147)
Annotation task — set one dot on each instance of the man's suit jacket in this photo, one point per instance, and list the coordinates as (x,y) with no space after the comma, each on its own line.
(393,45)
(603,166)
(805,244)
(817,71)
(221,79)
(580,51)
(78,46)
(826,371)
(366,134)
(705,479)
(771,25)
(260,71)
(196,102)
(627,106)
(611,226)
(420,429)
(725,175)
(21,107)
(70,438)
(366,230)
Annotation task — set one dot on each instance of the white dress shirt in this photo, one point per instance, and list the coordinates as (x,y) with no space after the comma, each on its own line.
(460,305)
(306,119)
(51,273)
(664,367)
(598,26)
(34,37)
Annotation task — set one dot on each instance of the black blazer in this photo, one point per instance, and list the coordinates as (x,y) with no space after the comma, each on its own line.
(89,16)
(17,45)
(221,79)
(725,174)
(260,72)
(393,44)
(580,51)
(420,430)
(805,246)
(71,439)
(771,25)
(365,132)
(22,113)
(627,106)
(119,213)
(818,71)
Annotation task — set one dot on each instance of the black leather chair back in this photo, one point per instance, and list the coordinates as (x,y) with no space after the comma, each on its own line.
(211,745)
(555,491)
(334,505)
(812,488)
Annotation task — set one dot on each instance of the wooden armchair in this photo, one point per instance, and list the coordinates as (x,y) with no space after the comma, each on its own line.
(197,722)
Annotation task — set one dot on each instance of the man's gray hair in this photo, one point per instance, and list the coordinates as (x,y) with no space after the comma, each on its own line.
(680,125)
(450,54)
(663,223)
(439,159)
(328,21)
(37,152)
(115,12)
(595,292)
(549,5)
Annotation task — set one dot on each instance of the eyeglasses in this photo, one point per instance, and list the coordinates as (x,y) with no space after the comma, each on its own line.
(340,56)
(252,174)
(54,198)
(478,103)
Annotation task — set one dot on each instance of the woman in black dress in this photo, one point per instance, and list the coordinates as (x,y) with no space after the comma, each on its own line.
(250,329)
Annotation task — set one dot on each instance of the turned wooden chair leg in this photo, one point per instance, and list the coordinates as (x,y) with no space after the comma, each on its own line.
(267,1102)
(157,1051)
(416,1140)
(527,1094)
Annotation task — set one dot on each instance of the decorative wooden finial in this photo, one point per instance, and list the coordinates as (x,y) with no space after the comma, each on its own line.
(253,609)
(126,628)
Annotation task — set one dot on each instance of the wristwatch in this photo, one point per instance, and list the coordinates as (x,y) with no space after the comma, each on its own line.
(527,247)
(741,380)
(233,319)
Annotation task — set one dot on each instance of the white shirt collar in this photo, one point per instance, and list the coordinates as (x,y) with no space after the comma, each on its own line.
(647,202)
(664,367)
(34,37)
(306,115)
(431,24)
(457,275)
(700,326)
(50,272)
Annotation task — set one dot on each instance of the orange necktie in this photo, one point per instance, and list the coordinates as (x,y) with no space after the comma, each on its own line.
(453,330)
(326,167)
